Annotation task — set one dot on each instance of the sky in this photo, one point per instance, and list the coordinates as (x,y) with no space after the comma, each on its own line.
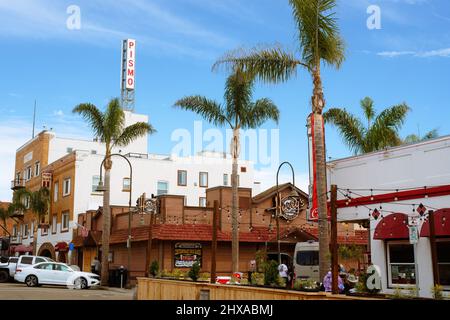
(407,60)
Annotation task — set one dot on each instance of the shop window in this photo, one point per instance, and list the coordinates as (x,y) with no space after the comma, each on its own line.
(443,258)
(401,266)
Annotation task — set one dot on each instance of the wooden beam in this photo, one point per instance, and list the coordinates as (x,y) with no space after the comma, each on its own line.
(333,241)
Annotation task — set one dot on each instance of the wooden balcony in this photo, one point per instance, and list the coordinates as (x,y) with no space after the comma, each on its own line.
(17,184)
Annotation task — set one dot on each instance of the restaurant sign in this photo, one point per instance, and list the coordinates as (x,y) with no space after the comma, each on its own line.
(186,254)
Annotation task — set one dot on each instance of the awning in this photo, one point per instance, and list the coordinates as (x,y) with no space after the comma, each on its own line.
(441,224)
(393,226)
(61,246)
(22,248)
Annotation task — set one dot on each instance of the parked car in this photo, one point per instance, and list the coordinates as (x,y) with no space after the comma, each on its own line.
(306,261)
(56,273)
(8,269)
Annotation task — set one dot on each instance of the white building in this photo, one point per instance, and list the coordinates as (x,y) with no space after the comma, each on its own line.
(74,168)
(388,188)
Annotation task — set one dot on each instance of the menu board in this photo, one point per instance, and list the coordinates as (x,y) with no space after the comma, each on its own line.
(186,254)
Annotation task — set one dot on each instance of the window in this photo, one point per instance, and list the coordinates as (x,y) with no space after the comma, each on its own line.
(26,202)
(25,230)
(55,191)
(202,202)
(32,229)
(26,260)
(243,169)
(307,258)
(95,181)
(401,267)
(54,223)
(93,151)
(203,179)
(182,178)
(443,258)
(37,169)
(60,267)
(65,221)
(225,179)
(39,260)
(14,231)
(163,188)
(66,187)
(126,185)
(44,231)
(44,266)
(69,150)
(28,173)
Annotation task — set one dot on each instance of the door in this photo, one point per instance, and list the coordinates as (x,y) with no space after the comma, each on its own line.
(62,274)
(45,273)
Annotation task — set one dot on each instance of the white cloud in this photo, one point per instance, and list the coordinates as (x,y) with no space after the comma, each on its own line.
(419,54)
(58,113)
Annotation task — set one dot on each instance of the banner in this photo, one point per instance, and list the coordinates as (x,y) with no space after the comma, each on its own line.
(313,212)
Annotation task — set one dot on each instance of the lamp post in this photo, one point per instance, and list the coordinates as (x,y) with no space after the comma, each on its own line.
(293,194)
(102,188)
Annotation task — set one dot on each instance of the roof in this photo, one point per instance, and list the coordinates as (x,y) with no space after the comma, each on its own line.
(273,190)
(194,232)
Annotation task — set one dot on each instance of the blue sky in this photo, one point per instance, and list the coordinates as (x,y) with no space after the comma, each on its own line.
(407,60)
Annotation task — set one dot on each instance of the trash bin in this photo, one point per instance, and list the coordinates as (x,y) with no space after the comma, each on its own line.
(118,277)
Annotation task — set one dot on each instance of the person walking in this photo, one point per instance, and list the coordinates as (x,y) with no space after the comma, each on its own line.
(283,272)
(95,266)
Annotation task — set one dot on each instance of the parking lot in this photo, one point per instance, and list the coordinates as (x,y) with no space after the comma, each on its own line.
(18,291)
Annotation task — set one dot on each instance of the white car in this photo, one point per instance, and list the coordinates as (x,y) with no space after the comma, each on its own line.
(55,273)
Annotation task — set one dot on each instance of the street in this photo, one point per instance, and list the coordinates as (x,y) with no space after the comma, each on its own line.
(19,291)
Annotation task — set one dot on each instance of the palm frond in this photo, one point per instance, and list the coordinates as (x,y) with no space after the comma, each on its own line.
(114,120)
(318,32)
(393,117)
(92,115)
(431,135)
(350,128)
(238,94)
(208,109)
(40,202)
(259,112)
(266,64)
(368,108)
(133,132)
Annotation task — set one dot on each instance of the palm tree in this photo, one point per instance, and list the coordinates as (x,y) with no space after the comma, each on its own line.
(374,132)
(110,128)
(320,42)
(39,203)
(414,138)
(238,112)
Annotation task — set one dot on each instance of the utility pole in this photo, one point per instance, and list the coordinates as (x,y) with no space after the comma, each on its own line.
(433,247)
(333,242)
(214,241)
(34,119)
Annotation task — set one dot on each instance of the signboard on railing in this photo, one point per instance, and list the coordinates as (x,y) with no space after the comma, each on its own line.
(186,254)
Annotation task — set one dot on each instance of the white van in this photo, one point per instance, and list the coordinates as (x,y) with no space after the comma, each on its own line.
(306,261)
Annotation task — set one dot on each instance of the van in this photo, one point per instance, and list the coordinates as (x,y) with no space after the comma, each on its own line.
(306,261)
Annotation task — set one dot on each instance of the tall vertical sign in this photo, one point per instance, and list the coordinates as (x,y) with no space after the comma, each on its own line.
(128,81)
(312,212)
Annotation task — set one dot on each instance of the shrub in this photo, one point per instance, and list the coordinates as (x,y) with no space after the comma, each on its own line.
(257,279)
(398,293)
(361,286)
(154,268)
(305,284)
(436,291)
(204,276)
(194,272)
(260,258)
(271,274)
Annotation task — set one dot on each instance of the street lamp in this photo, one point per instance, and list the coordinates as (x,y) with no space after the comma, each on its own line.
(294,194)
(102,188)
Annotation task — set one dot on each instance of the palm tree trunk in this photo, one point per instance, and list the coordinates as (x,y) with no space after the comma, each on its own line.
(106,224)
(318,104)
(235,204)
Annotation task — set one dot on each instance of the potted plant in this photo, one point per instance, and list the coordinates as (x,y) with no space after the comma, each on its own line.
(194,273)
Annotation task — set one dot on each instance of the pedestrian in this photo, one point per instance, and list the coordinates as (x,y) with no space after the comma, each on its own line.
(95,266)
(283,272)
(327,283)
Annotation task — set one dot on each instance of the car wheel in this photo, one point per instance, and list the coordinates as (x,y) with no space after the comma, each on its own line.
(80,283)
(4,276)
(31,281)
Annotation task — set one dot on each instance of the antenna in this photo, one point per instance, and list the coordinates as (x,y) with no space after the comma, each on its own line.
(34,118)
